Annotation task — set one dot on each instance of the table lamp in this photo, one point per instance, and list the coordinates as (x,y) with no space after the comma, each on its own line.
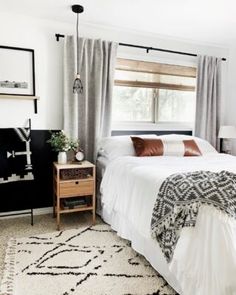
(226,133)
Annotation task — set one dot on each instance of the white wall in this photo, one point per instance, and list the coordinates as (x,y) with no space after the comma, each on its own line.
(22,31)
(26,32)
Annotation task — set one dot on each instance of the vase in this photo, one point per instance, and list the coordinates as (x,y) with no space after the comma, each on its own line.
(62,158)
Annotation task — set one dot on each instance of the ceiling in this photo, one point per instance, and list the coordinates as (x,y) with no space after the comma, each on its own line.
(205,21)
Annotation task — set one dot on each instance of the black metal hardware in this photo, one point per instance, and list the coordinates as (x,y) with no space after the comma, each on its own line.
(35,106)
(21,213)
(77,8)
(58,36)
(147,48)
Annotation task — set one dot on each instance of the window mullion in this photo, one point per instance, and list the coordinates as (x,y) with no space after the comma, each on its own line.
(153,104)
(156,106)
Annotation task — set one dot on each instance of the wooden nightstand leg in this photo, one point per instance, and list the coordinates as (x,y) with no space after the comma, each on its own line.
(94,195)
(94,215)
(58,214)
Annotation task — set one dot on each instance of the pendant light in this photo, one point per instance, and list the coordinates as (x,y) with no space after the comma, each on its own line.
(77,86)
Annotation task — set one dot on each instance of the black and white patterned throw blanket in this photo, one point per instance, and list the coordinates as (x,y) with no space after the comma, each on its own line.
(15,155)
(179,199)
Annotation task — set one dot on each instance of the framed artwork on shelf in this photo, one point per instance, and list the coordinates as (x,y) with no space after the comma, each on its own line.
(17,72)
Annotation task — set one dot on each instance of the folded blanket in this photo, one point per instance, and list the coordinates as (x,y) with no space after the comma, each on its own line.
(179,199)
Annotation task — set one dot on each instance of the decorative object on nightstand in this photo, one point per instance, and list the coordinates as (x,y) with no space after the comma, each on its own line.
(79,156)
(61,143)
(226,133)
(73,189)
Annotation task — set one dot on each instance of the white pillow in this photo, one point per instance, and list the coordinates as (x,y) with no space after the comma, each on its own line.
(204,146)
(118,146)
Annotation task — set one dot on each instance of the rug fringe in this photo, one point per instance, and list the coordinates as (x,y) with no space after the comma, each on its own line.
(7,283)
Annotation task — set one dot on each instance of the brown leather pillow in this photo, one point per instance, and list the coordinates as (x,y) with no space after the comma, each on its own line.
(191,148)
(145,147)
(148,146)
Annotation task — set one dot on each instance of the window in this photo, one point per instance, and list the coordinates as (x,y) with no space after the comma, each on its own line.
(133,104)
(153,92)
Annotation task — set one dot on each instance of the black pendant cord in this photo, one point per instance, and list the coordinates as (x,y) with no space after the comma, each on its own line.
(147,48)
(77,42)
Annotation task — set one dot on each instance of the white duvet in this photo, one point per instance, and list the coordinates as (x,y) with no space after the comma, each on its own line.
(204,261)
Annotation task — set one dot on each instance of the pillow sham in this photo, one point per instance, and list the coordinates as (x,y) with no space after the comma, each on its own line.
(161,147)
(118,146)
(204,146)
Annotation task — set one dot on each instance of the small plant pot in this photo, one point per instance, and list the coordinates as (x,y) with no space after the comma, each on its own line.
(62,158)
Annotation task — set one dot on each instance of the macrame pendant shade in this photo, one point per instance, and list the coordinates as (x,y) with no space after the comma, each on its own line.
(77,85)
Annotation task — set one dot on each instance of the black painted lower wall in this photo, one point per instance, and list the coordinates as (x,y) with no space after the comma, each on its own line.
(21,195)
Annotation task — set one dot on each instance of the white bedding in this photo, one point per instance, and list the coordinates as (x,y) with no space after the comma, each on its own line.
(204,262)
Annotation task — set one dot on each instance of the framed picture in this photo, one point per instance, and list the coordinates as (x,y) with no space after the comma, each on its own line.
(17,71)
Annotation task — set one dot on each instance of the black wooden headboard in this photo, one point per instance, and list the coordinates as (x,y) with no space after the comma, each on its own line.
(157,132)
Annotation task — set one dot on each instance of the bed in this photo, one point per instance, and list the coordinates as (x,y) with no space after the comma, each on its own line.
(204,261)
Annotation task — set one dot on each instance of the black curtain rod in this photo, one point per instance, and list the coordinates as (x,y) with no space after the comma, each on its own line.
(58,36)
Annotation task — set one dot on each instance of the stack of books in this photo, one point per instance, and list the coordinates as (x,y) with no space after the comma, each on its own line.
(72,203)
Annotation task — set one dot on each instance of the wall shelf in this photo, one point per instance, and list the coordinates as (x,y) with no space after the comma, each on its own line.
(23,97)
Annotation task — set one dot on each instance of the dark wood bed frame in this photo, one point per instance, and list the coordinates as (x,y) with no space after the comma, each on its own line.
(157,132)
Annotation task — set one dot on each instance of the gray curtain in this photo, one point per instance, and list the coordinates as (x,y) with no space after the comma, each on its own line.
(87,116)
(208,98)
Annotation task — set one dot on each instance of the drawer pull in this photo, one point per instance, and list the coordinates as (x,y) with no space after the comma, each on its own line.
(77,182)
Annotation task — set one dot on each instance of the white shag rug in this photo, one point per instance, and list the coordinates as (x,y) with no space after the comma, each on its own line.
(91,261)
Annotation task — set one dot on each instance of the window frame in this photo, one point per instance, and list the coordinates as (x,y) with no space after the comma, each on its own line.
(154,68)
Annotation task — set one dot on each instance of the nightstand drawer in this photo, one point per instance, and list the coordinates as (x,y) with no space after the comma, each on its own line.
(76,188)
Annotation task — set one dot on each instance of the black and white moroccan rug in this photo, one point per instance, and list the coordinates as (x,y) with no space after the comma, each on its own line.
(92,260)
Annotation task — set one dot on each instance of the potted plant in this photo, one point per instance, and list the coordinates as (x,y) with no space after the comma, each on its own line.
(61,143)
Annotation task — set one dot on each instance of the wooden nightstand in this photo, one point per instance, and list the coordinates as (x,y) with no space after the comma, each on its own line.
(73,183)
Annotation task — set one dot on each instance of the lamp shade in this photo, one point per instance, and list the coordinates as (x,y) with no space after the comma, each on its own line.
(227,132)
